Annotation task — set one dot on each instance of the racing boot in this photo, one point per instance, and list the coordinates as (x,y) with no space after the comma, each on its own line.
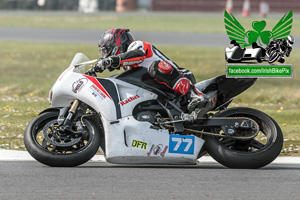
(196,98)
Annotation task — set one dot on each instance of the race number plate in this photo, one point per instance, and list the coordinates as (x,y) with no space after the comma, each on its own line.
(182,144)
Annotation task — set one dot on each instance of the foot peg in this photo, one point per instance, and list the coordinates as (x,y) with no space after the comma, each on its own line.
(191,117)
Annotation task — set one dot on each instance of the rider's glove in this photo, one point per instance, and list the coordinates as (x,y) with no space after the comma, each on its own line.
(110,63)
(102,64)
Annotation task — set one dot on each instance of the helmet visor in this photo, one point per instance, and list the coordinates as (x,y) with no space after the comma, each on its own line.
(104,45)
(103,53)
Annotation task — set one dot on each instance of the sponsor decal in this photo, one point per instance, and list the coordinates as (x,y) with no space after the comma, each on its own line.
(158,150)
(165,67)
(132,46)
(182,86)
(164,151)
(182,144)
(133,62)
(139,144)
(213,101)
(130,99)
(96,82)
(78,85)
(98,91)
(115,50)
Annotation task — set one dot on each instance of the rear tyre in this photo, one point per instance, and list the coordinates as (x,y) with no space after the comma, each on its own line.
(250,154)
(44,149)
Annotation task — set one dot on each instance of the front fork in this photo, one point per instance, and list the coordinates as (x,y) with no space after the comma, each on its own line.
(72,112)
(61,120)
(66,123)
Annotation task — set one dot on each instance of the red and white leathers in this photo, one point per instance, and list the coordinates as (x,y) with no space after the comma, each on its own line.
(161,68)
(143,54)
(150,54)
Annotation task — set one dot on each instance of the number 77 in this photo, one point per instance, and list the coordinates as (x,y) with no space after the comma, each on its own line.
(179,141)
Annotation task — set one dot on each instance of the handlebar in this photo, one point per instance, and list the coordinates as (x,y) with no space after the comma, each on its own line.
(91,72)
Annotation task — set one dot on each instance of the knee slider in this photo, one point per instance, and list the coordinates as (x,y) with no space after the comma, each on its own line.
(163,72)
(165,67)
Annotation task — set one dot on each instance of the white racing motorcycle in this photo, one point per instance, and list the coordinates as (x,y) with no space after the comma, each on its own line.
(132,119)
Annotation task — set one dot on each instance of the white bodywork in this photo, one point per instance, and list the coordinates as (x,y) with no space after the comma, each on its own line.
(126,139)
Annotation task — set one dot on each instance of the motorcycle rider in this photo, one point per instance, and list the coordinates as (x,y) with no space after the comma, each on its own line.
(118,48)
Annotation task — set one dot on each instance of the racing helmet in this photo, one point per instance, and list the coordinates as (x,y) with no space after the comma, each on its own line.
(114,42)
(290,40)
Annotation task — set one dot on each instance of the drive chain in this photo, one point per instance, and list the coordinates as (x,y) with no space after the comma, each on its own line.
(256,126)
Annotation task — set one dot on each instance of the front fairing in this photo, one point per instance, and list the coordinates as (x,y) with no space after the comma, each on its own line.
(112,98)
(72,84)
(78,58)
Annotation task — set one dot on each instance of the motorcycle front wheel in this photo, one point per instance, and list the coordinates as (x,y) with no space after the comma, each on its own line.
(49,144)
(249,154)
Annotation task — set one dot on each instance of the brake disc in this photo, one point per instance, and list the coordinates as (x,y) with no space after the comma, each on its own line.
(52,128)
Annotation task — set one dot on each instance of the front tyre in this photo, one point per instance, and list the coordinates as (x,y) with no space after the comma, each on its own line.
(250,154)
(49,145)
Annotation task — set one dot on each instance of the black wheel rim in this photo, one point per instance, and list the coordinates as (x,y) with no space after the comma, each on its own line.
(43,142)
(259,143)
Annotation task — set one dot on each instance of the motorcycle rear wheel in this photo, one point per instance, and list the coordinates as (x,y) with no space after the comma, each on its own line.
(249,154)
(57,156)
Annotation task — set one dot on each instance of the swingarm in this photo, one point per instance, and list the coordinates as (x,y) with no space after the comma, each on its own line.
(241,128)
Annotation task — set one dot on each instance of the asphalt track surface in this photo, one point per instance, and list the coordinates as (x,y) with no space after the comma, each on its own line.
(23,178)
(100,180)
(92,36)
(76,36)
